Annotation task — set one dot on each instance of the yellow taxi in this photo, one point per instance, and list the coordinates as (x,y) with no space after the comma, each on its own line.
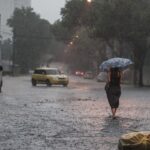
(49,76)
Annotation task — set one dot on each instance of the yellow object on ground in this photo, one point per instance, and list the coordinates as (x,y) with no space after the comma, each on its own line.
(135,141)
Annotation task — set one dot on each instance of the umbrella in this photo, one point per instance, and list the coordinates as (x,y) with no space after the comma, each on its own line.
(116,62)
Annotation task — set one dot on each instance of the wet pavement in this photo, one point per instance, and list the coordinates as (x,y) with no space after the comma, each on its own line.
(76,117)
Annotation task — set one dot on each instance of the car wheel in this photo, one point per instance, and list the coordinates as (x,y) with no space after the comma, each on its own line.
(34,82)
(48,83)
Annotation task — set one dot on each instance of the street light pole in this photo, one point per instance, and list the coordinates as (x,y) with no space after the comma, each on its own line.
(14,52)
(0,42)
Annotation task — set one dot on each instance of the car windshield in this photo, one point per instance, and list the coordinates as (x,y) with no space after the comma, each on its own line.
(53,72)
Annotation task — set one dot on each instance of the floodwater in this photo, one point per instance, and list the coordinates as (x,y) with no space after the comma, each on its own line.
(76,117)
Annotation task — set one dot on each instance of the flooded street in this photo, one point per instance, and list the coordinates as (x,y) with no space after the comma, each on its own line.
(76,117)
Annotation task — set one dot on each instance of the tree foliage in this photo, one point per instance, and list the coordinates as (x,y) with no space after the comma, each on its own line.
(84,53)
(72,13)
(127,21)
(31,38)
(7,49)
(124,21)
(61,32)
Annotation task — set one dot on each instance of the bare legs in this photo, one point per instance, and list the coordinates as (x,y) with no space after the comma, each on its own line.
(113,112)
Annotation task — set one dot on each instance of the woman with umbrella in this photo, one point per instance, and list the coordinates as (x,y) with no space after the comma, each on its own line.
(113,89)
(114,67)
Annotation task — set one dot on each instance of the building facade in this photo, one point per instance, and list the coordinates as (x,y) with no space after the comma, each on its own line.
(7,8)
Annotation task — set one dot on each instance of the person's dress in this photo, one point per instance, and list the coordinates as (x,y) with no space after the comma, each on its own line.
(113,91)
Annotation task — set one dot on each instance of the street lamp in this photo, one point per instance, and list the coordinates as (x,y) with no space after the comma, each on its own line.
(71,43)
(89,1)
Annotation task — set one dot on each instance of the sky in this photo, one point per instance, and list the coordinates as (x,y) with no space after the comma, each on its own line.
(48,9)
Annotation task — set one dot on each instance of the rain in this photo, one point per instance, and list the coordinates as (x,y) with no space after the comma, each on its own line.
(55,60)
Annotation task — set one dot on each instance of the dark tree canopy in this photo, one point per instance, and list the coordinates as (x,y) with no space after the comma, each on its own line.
(124,21)
(31,36)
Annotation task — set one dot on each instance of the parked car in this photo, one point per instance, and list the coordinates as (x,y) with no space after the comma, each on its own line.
(49,76)
(88,75)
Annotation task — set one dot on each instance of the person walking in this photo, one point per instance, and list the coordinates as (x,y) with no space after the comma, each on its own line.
(113,89)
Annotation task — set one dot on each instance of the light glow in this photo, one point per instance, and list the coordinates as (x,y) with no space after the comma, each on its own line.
(89,1)
(71,43)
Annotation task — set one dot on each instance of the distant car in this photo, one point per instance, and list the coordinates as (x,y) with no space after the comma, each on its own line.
(79,73)
(102,77)
(49,76)
(88,75)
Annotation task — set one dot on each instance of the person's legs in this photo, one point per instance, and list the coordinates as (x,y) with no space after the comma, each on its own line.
(115,106)
(113,112)
(113,101)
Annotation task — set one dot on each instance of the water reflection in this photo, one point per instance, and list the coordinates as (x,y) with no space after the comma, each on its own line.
(113,127)
(120,125)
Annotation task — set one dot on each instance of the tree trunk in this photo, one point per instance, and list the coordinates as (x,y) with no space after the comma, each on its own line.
(135,79)
(141,75)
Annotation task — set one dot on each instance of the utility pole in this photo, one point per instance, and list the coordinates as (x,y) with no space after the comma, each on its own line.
(0,43)
(14,53)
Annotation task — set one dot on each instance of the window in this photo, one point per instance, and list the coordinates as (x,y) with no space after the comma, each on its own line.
(39,72)
(53,72)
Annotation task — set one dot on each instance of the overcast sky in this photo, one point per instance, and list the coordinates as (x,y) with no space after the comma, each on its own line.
(48,9)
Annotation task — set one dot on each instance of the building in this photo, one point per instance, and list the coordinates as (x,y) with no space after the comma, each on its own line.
(7,8)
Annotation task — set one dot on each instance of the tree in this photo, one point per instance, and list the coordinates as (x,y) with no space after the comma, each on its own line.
(131,24)
(72,13)
(7,50)
(85,53)
(124,21)
(61,32)
(31,38)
